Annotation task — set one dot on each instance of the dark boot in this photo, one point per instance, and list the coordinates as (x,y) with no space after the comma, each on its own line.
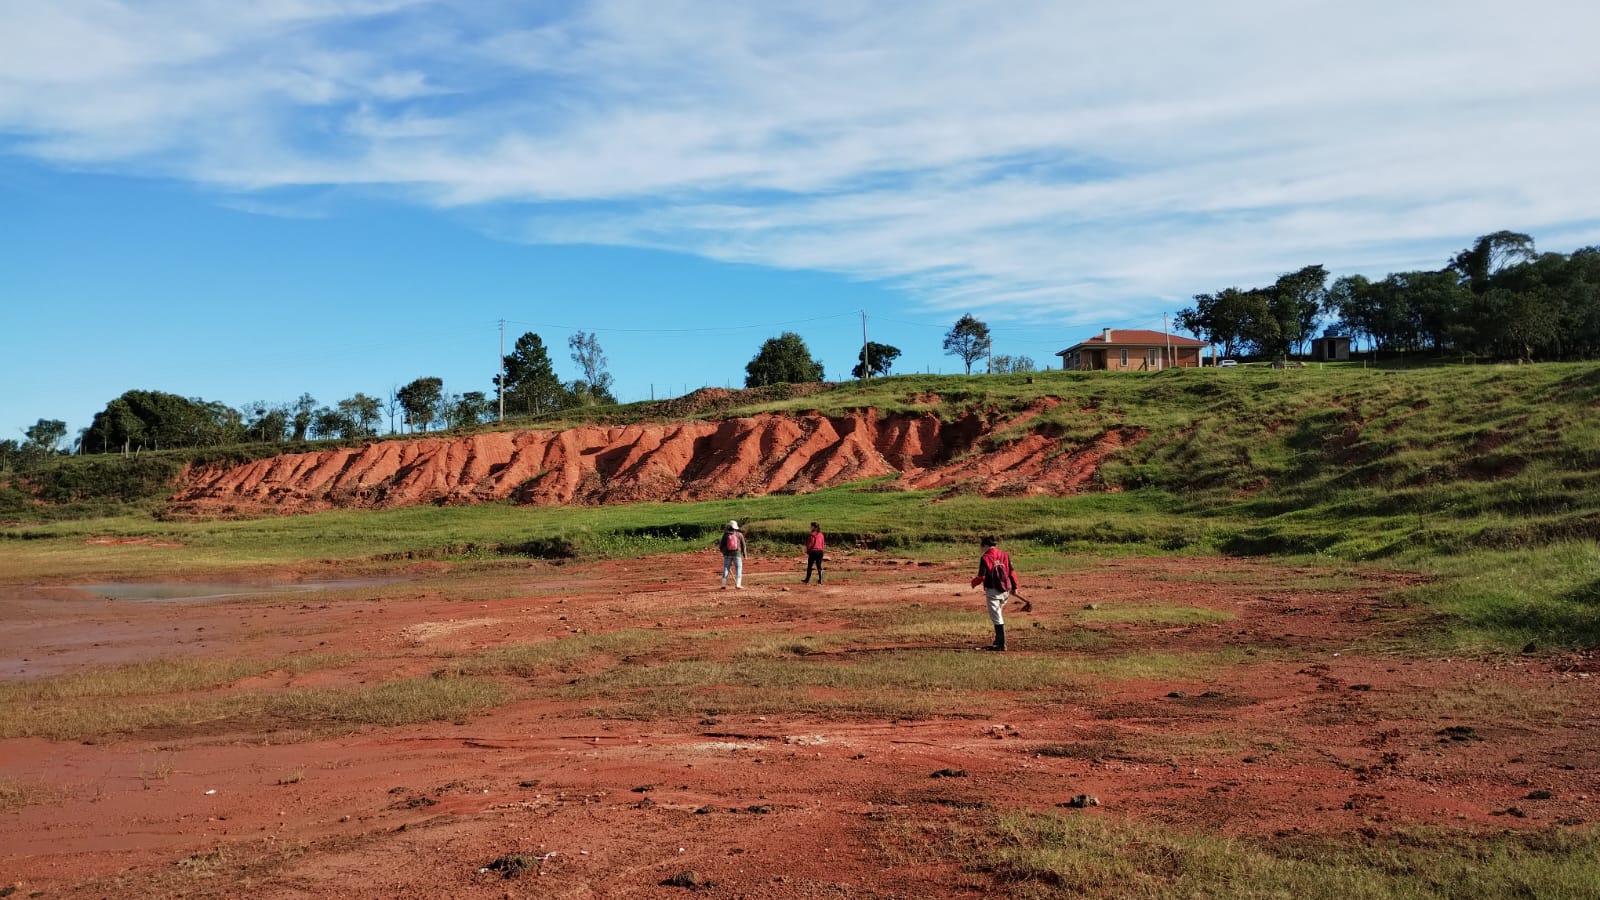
(999,644)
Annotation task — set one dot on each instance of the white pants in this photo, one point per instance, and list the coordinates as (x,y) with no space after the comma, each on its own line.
(997,603)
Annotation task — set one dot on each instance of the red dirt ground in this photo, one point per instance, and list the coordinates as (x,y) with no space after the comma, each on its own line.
(1320,731)
(678,461)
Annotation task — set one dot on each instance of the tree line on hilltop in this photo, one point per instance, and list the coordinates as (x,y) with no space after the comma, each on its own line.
(154,420)
(1497,299)
(527,386)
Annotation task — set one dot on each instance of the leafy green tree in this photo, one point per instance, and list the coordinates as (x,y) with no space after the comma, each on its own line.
(1220,318)
(1295,302)
(968,339)
(363,414)
(420,400)
(11,455)
(881,357)
(1011,365)
(327,422)
(784,359)
(595,385)
(156,420)
(1490,254)
(1262,331)
(530,385)
(1576,288)
(1353,300)
(45,434)
(1237,320)
(303,410)
(1433,302)
(467,410)
(268,422)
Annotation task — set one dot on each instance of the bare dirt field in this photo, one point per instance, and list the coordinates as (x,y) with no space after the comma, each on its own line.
(1229,697)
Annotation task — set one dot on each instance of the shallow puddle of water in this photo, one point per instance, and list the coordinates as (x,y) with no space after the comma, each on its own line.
(169,592)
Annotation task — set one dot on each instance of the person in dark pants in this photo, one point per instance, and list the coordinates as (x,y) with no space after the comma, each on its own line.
(815,542)
(999,579)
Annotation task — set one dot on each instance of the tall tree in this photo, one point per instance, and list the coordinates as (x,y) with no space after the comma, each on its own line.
(45,434)
(1488,255)
(467,410)
(1296,300)
(881,357)
(392,407)
(363,414)
(1263,333)
(967,339)
(420,400)
(303,410)
(268,422)
(784,359)
(327,422)
(1221,318)
(11,455)
(595,385)
(530,383)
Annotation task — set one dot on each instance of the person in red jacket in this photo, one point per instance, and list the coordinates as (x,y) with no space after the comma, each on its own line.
(815,542)
(999,579)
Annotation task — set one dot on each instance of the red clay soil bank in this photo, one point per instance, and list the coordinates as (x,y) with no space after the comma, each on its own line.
(678,461)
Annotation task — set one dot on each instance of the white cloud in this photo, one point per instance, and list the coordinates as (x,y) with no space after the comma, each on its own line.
(1058,158)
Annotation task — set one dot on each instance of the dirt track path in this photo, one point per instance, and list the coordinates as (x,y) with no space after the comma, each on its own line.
(1309,726)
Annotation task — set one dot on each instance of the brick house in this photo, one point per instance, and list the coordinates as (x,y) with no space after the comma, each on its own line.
(1125,349)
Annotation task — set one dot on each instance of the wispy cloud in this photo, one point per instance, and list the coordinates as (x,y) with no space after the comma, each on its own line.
(1056,158)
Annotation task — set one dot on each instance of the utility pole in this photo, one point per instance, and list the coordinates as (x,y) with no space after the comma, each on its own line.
(502,391)
(1168,335)
(866,356)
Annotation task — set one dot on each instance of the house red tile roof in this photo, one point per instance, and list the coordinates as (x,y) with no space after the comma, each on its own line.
(1136,337)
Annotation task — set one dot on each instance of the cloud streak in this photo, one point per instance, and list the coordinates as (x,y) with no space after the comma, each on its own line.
(1053,160)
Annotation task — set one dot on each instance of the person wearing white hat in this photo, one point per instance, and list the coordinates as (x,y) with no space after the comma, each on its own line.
(732,546)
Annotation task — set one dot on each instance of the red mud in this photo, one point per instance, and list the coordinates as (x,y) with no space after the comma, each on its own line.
(679,461)
(1317,730)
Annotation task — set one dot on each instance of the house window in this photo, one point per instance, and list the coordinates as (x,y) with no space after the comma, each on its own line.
(1124,357)
(1152,358)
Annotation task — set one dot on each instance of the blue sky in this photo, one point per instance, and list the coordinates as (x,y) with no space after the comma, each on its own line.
(249,202)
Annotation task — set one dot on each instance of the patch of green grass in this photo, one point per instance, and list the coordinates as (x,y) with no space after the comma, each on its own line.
(527,660)
(1326,577)
(893,684)
(1549,597)
(1155,748)
(1482,701)
(394,703)
(1155,666)
(1034,855)
(157,676)
(1152,615)
(687,702)
(899,683)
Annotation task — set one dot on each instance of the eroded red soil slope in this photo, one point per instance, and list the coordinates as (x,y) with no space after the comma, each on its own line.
(677,461)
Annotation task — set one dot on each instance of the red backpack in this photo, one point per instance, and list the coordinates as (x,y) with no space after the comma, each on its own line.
(731,542)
